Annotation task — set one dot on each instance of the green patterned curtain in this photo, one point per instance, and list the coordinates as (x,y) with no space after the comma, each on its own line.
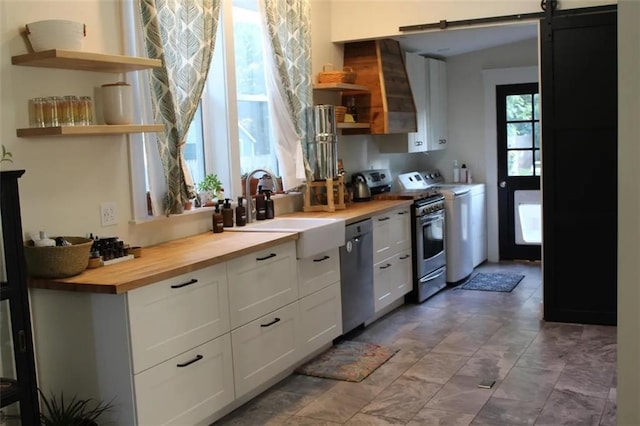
(289,53)
(182,34)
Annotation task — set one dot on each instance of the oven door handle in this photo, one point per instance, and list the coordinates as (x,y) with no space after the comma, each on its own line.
(431,217)
(432,276)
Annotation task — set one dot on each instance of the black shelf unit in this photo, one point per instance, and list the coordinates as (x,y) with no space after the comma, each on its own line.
(14,297)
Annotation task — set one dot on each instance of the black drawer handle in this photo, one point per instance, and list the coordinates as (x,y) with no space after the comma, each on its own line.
(382,219)
(385,266)
(193,281)
(406,256)
(270,323)
(403,212)
(325,257)
(184,364)
(266,257)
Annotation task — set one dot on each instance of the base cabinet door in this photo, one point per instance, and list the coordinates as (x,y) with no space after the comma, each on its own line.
(403,274)
(187,388)
(261,282)
(392,279)
(264,348)
(320,318)
(317,272)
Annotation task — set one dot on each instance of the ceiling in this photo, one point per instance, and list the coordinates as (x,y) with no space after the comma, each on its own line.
(456,41)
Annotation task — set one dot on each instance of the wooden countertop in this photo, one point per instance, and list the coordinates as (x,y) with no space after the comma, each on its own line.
(356,212)
(166,260)
(184,255)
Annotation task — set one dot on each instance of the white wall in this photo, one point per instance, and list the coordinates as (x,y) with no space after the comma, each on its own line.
(628,212)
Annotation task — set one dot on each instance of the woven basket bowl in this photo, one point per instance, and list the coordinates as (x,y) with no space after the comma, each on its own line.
(347,75)
(58,262)
(340,112)
(56,34)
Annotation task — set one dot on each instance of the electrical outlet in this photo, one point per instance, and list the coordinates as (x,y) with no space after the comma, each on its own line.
(108,214)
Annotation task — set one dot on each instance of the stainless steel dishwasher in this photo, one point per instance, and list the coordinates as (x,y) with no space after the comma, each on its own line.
(356,275)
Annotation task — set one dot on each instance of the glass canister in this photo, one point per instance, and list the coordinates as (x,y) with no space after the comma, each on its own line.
(51,111)
(36,112)
(69,111)
(85,111)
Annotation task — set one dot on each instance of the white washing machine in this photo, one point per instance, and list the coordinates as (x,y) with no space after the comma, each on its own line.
(458,237)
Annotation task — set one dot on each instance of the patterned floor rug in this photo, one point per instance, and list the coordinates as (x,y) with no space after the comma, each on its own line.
(349,361)
(493,282)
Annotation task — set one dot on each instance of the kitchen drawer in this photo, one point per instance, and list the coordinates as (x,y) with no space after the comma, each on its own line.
(392,279)
(264,348)
(186,389)
(391,233)
(320,318)
(177,314)
(262,282)
(317,272)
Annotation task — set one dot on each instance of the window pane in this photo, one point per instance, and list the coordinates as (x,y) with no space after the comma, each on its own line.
(194,148)
(536,107)
(519,107)
(519,135)
(254,124)
(538,162)
(520,163)
(536,135)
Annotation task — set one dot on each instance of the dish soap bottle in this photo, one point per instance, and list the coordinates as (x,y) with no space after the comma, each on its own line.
(241,213)
(269,211)
(456,172)
(218,225)
(227,213)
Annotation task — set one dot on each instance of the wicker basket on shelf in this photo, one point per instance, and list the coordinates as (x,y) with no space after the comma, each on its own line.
(58,261)
(328,75)
(340,112)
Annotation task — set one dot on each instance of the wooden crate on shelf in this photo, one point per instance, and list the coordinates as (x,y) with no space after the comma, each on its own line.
(324,195)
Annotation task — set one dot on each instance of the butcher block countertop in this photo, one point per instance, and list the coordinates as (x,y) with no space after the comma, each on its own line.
(166,260)
(184,255)
(356,212)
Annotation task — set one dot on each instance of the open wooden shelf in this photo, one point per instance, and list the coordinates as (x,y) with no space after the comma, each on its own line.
(85,61)
(101,129)
(340,87)
(353,125)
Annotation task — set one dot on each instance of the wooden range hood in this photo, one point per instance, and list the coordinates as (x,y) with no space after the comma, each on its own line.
(389,106)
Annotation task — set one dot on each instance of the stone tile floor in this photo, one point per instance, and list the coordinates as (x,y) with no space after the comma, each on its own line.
(546,373)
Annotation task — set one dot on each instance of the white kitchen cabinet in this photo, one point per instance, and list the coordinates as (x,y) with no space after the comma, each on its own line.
(392,268)
(392,279)
(176,314)
(188,388)
(317,272)
(478,227)
(320,318)
(265,347)
(428,80)
(391,233)
(261,282)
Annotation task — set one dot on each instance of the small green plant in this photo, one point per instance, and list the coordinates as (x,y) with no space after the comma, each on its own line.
(76,412)
(6,155)
(211,183)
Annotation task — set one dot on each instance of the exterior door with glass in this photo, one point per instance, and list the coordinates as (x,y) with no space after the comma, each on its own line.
(519,167)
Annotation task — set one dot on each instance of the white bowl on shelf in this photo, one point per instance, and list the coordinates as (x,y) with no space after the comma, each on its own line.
(56,34)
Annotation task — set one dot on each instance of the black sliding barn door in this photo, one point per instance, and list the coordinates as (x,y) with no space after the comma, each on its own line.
(579,166)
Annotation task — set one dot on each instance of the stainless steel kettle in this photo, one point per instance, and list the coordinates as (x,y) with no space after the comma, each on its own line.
(361,191)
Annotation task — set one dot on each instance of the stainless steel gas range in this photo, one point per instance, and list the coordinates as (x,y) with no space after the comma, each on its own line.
(428,236)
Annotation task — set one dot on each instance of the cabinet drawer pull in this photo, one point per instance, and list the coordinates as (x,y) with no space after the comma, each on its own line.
(325,257)
(192,281)
(266,257)
(270,323)
(406,256)
(184,364)
(419,143)
(382,219)
(385,266)
(403,212)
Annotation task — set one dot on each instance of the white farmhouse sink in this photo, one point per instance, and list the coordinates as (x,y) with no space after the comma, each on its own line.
(316,234)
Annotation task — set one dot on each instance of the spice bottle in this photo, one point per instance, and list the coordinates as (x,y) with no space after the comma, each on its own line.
(227,213)
(218,225)
(269,211)
(241,213)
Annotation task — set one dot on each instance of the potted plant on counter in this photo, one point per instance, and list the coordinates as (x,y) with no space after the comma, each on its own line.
(208,189)
(75,412)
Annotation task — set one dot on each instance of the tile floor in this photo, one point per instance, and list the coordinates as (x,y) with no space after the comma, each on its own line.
(546,373)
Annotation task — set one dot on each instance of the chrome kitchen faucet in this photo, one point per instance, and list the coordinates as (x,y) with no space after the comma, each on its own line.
(251,211)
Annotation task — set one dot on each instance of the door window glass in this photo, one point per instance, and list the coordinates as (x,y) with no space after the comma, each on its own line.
(523,134)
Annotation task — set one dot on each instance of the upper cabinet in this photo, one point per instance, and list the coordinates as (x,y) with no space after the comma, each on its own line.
(389,105)
(428,79)
(86,61)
